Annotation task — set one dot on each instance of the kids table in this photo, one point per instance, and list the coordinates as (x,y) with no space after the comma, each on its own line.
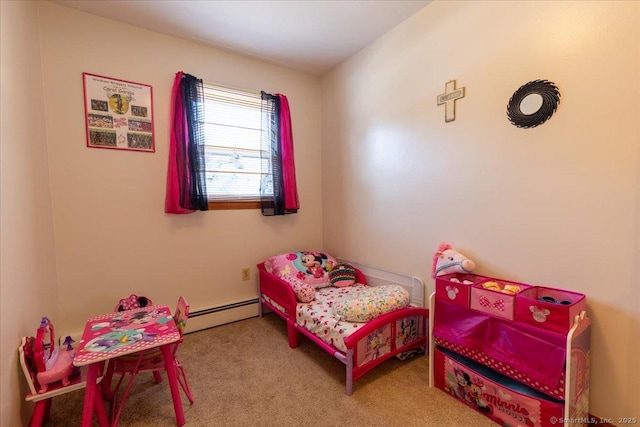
(115,334)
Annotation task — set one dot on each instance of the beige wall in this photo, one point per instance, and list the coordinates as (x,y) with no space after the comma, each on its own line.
(555,205)
(27,256)
(112,235)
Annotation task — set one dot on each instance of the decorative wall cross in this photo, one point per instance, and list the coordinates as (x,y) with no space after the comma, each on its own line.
(448,98)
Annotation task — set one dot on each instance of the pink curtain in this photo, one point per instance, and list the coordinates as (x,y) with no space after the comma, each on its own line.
(288,162)
(177,151)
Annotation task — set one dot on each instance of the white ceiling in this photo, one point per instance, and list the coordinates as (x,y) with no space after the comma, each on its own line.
(310,35)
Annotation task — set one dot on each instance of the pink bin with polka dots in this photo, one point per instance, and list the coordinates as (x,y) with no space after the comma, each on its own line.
(499,299)
(549,308)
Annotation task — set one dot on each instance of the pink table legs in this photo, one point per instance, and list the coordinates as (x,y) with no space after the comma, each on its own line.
(93,397)
(173,384)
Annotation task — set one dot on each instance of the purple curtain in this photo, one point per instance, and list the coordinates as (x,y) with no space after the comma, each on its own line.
(186,180)
(278,189)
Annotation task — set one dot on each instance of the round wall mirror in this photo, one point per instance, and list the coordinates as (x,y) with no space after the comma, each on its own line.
(533,104)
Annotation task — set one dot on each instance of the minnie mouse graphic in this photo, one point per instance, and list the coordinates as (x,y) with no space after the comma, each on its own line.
(475,395)
(462,383)
(313,262)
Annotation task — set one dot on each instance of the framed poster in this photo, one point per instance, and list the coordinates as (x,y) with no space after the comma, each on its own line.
(118,114)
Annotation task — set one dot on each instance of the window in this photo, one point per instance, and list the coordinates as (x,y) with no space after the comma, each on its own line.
(232,147)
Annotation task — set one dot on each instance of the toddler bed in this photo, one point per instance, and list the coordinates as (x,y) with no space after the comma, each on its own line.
(360,315)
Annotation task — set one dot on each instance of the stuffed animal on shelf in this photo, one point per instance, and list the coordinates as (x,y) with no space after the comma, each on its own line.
(447,261)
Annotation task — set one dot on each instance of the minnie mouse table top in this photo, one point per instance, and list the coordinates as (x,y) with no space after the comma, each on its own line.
(116,334)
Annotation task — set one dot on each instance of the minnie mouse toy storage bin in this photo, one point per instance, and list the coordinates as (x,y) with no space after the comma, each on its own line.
(549,308)
(456,288)
(496,297)
(499,398)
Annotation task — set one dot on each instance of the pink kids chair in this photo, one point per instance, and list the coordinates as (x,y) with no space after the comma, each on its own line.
(146,361)
(49,372)
(134,301)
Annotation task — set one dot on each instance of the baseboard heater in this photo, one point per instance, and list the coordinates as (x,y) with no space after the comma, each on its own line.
(222,308)
(223,314)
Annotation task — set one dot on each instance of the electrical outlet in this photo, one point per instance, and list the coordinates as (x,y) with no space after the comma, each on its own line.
(246,273)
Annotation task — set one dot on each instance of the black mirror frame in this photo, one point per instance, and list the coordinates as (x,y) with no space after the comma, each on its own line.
(550,100)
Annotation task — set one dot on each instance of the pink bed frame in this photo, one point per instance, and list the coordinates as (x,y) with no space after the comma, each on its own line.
(281,293)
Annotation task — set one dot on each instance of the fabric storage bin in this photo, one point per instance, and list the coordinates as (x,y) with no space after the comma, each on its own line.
(452,287)
(549,308)
(500,399)
(528,354)
(498,301)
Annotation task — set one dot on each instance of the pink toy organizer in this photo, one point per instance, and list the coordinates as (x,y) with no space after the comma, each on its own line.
(519,359)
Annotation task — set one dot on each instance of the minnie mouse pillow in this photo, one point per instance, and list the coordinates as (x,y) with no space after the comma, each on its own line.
(309,266)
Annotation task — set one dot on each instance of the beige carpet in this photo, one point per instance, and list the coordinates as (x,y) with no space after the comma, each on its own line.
(245,374)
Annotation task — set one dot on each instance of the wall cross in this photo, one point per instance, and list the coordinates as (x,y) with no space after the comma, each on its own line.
(448,98)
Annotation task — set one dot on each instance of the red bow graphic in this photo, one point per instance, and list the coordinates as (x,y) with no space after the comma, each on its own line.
(498,305)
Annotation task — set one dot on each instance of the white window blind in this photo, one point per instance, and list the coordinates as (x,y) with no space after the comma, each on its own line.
(232,143)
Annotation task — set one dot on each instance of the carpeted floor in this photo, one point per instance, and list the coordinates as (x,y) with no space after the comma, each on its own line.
(245,374)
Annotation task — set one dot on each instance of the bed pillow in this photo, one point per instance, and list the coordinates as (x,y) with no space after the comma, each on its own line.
(342,275)
(305,292)
(371,303)
(309,266)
